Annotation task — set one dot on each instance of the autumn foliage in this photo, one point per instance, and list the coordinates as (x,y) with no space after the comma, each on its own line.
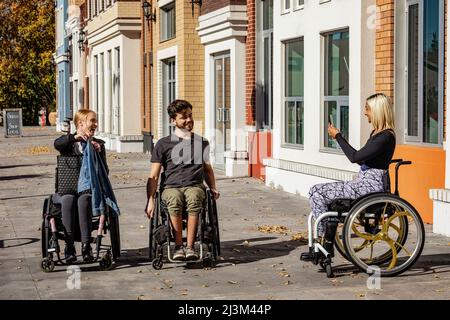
(27,42)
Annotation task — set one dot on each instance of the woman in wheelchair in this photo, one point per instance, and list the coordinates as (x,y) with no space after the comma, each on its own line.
(69,145)
(374,159)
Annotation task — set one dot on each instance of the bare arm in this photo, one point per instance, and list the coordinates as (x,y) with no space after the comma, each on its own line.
(152,184)
(210,179)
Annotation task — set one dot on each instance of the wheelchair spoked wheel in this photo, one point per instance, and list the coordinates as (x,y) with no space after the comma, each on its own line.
(383,234)
(213,222)
(338,242)
(380,259)
(47,263)
(114,234)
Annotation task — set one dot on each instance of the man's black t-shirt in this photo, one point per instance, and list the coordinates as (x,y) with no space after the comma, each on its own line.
(182,159)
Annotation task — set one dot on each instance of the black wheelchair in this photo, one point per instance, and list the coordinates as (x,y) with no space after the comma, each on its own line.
(380,233)
(162,238)
(53,230)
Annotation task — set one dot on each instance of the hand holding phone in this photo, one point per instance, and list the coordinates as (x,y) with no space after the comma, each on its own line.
(330,120)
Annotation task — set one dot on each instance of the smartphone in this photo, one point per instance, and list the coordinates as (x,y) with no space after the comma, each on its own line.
(330,120)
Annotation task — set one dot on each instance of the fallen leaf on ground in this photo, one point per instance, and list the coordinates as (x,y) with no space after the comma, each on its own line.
(299,236)
(273,229)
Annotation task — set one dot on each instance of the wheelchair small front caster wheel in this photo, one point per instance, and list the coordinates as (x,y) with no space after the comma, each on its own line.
(329,270)
(157,263)
(207,262)
(322,265)
(105,262)
(47,265)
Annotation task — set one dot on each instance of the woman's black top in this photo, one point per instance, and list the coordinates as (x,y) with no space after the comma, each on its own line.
(68,146)
(376,154)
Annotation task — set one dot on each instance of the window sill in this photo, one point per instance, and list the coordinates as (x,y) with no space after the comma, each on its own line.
(331,151)
(299,7)
(293,146)
(166,40)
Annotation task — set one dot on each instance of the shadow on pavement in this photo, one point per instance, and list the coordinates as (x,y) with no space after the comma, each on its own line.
(16,242)
(25,176)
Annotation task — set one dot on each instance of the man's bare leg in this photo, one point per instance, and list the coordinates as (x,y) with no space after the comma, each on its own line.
(177,224)
(191,230)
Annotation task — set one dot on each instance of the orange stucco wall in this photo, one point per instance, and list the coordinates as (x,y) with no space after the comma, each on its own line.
(426,172)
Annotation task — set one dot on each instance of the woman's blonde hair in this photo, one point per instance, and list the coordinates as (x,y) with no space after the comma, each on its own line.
(82,115)
(382,113)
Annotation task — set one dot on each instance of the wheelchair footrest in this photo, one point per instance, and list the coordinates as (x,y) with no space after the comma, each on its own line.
(307,256)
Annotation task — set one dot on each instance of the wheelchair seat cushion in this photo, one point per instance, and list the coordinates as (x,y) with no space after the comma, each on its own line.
(341,205)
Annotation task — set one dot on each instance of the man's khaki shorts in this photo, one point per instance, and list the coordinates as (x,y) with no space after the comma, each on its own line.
(194,196)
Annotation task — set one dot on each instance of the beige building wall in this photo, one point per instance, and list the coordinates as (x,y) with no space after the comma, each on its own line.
(189,64)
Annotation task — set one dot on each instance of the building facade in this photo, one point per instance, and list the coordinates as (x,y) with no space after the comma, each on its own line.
(323,66)
(223,33)
(62,60)
(113,43)
(77,62)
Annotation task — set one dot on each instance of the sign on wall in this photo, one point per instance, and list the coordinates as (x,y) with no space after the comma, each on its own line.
(12,122)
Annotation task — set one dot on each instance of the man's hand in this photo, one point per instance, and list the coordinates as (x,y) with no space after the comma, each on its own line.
(332,131)
(150,208)
(215,193)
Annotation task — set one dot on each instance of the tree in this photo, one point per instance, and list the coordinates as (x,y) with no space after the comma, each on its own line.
(27,42)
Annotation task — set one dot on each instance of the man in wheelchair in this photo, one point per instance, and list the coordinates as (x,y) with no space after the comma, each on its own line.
(184,156)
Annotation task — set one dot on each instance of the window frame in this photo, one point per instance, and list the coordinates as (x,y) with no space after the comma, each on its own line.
(164,22)
(296,99)
(419,138)
(341,100)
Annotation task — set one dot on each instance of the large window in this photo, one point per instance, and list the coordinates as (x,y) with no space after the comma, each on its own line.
(336,83)
(294,92)
(264,111)
(167,14)
(425,68)
(169,85)
(96,84)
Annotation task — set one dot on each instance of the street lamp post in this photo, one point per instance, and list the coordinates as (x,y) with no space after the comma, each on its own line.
(147,7)
(81,39)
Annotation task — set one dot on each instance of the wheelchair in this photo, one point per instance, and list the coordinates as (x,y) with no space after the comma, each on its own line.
(52,231)
(162,237)
(380,233)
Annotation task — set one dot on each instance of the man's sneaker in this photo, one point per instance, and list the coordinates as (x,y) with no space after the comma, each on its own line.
(191,254)
(179,253)
(70,253)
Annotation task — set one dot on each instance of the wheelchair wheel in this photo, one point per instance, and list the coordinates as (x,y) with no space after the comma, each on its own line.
(214,224)
(47,265)
(114,233)
(45,229)
(383,234)
(338,242)
(153,224)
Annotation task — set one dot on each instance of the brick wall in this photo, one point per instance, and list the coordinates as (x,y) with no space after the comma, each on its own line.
(212,5)
(250,59)
(384,46)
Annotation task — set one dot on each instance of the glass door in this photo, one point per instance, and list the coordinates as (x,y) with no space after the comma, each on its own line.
(222,104)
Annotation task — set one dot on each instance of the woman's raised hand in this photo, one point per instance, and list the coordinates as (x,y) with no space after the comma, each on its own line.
(332,131)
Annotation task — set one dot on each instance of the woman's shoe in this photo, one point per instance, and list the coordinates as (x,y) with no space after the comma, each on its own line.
(86,251)
(70,253)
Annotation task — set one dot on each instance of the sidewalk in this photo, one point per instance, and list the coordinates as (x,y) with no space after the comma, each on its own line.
(254,265)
